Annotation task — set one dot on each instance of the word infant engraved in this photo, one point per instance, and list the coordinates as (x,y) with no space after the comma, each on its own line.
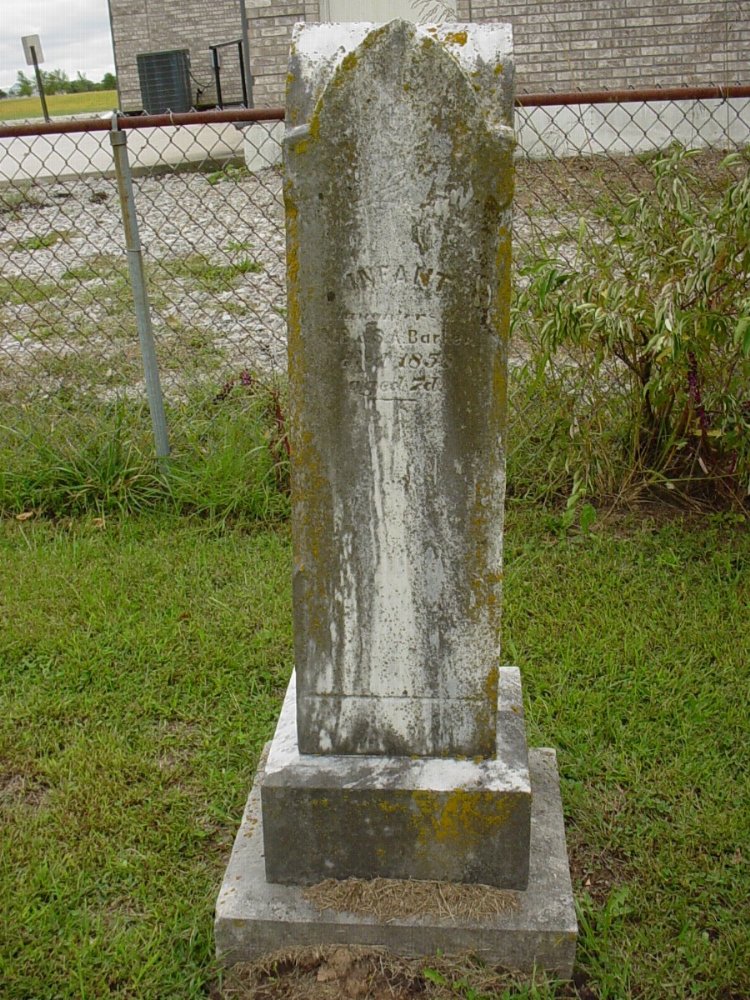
(420,276)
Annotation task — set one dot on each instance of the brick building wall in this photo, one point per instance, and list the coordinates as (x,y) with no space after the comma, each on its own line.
(615,43)
(560,45)
(157,25)
(270,24)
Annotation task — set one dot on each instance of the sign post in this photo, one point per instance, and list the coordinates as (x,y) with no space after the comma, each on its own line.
(32,49)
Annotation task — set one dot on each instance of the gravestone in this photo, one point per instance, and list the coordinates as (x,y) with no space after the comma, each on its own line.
(400,752)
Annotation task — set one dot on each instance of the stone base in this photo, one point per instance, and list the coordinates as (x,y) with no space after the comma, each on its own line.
(255,917)
(336,816)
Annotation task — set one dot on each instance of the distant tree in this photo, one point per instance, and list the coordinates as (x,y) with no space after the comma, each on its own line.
(55,81)
(24,86)
(81,85)
(2,94)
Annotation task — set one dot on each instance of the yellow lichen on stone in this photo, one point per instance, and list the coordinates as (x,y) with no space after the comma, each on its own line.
(483,579)
(455,38)
(292,271)
(501,320)
(491,685)
(349,62)
(462,818)
(374,37)
(308,480)
(315,124)
(309,487)
(391,807)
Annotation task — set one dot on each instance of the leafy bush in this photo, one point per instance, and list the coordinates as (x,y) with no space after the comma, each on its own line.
(640,341)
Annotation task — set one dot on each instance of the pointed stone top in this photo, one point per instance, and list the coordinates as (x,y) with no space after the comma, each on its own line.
(484,52)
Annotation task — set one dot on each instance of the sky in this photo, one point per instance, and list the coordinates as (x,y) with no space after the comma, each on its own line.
(74,34)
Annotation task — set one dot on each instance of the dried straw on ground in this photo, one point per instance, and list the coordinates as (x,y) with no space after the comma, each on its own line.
(393,899)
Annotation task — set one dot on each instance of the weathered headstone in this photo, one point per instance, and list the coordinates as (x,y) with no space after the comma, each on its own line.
(398,197)
(401,749)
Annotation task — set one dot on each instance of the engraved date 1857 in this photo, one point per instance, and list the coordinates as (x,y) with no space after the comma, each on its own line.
(423,365)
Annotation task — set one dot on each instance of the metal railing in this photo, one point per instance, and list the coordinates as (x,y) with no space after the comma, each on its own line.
(176,242)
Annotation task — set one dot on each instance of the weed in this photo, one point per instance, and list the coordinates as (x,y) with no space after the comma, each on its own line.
(98,267)
(17,290)
(228,463)
(235,246)
(41,242)
(435,11)
(230,172)
(212,277)
(18,195)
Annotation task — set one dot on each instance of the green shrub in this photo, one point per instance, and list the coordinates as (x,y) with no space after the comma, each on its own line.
(640,342)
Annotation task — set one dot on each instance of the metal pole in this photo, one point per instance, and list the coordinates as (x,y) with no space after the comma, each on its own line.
(243,78)
(246,53)
(39,83)
(140,293)
(217,74)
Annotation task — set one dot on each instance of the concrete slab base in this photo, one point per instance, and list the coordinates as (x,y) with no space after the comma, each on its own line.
(400,817)
(255,917)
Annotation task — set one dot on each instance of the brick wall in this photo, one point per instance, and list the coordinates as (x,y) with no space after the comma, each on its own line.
(157,25)
(270,24)
(614,43)
(560,45)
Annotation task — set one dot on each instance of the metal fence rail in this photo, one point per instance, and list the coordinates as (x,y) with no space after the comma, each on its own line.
(207,190)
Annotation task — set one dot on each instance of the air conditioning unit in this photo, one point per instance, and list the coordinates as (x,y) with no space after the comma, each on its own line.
(165,81)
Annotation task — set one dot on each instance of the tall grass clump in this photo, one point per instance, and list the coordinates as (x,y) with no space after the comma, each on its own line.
(228,460)
(639,345)
(232,458)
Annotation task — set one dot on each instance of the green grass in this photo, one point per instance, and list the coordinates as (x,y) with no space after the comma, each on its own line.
(211,277)
(19,290)
(142,663)
(20,195)
(126,742)
(58,105)
(226,462)
(40,242)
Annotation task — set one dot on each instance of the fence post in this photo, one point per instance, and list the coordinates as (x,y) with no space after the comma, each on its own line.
(140,292)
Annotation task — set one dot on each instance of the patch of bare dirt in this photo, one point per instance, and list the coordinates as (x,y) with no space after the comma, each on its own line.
(598,870)
(18,789)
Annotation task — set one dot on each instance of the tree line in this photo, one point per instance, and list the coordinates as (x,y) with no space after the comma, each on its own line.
(57,81)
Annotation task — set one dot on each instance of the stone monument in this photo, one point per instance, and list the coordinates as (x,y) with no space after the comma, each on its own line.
(400,752)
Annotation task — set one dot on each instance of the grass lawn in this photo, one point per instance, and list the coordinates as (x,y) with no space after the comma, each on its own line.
(58,105)
(142,664)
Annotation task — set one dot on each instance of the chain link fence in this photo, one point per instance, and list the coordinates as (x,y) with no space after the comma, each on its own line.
(209,209)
